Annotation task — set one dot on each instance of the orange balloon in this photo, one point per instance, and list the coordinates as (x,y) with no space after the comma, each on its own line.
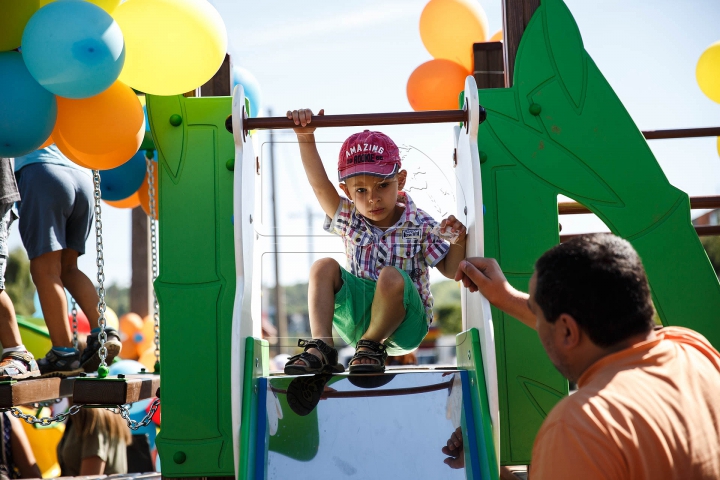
(100,132)
(144,193)
(47,143)
(497,36)
(448,29)
(147,342)
(148,359)
(435,85)
(130,326)
(130,202)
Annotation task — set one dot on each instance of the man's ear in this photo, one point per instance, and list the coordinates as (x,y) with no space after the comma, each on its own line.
(345,189)
(402,177)
(568,331)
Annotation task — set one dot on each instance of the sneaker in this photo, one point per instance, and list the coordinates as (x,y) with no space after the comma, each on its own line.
(18,365)
(90,359)
(60,363)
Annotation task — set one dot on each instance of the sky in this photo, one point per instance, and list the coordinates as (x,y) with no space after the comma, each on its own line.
(356,57)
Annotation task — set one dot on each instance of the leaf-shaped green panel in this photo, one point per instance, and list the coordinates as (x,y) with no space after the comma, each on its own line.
(608,142)
(541,396)
(499,101)
(566,48)
(169,138)
(546,159)
(532,70)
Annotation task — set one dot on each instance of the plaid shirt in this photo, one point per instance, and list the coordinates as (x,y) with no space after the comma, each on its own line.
(408,245)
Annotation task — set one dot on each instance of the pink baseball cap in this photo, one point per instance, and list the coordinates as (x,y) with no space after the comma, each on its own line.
(368,153)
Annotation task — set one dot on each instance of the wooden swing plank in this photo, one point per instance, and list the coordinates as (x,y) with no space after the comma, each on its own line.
(115,391)
(25,392)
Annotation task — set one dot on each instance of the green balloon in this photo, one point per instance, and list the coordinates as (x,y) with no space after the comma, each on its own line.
(15,14)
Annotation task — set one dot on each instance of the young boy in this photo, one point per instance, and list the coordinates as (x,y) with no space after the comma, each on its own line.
(383,303)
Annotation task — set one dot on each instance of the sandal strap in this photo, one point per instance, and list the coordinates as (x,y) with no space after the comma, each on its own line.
(24,357)
(376,347)
(311,360)
(330,354)
(376,351)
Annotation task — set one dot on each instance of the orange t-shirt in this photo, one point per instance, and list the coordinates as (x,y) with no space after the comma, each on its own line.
(651,411)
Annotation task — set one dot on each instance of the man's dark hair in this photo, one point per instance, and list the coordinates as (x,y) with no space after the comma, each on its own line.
(599,280)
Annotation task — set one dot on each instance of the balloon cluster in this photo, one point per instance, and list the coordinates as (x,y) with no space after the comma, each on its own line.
(707,73)
(68,69)
(448,29)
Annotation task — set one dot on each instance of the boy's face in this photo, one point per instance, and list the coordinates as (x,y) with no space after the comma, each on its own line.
(375,197)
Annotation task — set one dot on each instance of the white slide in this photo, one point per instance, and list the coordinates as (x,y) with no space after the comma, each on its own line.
(475,307)
(243,324)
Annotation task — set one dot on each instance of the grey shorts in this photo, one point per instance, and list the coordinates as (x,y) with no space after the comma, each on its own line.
(7,217)
(56,211)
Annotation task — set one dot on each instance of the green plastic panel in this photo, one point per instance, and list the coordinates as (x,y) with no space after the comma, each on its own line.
(257,363)
(469,357)
(196,285)
(577,140)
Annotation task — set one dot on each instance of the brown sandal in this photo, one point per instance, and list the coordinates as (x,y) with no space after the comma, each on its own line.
(376,351)
(327,364)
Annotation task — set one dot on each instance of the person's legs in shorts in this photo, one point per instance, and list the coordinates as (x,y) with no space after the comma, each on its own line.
(55,219)
(324,282)
(9,332)
(16,361)
(398,318)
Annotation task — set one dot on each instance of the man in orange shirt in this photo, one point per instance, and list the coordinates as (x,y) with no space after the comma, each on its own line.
(648,400)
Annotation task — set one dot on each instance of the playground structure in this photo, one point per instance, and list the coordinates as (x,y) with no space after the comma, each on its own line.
(559,129)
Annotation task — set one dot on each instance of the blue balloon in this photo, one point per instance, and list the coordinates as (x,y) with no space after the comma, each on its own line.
(73,48)
(126,367)
(251,86)
(27,111)
(123,181)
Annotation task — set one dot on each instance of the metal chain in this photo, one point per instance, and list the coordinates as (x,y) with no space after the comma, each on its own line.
(124,412)
(74,324)
(44,421)
(154,255)
(102,337)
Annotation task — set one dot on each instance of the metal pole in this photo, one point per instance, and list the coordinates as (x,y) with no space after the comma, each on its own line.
(682,133)
(572,208)
(360,119)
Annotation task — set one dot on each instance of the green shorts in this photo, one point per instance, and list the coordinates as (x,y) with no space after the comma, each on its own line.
(352,313)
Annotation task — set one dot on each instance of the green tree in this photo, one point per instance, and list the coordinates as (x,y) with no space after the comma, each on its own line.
(118,298)
(447,309)
(18,282)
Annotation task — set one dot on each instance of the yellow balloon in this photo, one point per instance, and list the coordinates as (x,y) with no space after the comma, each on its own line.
(108,5)
(171,46)
(13,17)
(718,145)
(111,318)
(497,37)
(707,72)
(448,29)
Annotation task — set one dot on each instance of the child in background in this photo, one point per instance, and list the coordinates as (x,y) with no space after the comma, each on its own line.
(56,215)
(94,443)
(382,304)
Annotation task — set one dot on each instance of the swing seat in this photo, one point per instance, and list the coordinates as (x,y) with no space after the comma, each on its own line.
(115,390)
(34,390)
